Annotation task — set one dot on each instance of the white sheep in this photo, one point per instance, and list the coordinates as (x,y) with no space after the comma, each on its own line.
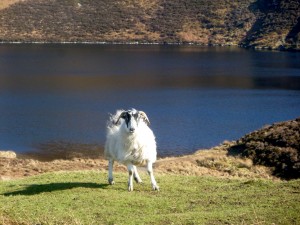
(131,142)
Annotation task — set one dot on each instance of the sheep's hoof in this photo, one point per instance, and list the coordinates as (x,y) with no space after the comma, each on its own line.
(155,188)
(111,181)
(130,188)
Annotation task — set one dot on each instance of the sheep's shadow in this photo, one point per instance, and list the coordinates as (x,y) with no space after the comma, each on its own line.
(35,189)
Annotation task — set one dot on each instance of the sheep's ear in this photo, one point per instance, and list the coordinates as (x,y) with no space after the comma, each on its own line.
(144,117)
(121,116)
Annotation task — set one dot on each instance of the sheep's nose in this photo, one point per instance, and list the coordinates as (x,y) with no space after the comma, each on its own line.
(131,129)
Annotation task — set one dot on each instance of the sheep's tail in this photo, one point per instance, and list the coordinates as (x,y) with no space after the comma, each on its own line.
(113,119)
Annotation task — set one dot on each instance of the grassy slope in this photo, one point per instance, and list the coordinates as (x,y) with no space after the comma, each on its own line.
(85,198)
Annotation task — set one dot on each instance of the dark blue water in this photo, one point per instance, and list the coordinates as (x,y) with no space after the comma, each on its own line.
(195,97)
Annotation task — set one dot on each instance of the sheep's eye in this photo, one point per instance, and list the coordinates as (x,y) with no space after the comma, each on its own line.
(125,116)
(136,116)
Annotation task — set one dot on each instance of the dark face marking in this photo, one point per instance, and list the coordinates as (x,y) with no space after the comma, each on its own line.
(127,118)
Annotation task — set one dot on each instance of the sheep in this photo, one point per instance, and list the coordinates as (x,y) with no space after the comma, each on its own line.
(131,142)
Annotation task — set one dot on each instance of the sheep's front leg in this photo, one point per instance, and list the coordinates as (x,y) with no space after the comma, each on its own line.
(153,181)
(110,171)
(136,175)
(130,168)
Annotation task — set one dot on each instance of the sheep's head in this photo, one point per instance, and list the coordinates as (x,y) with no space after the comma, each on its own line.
(132,119)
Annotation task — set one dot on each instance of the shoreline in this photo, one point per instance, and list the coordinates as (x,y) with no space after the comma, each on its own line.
(207,162)
(137,43)
(271,152)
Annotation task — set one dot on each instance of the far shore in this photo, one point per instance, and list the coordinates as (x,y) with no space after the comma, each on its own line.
(259,48)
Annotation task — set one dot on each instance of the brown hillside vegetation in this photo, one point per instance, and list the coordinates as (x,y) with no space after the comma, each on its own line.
(276,146)
(251,23)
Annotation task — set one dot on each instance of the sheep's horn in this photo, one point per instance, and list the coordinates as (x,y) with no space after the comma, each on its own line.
(144,116)
(122,114)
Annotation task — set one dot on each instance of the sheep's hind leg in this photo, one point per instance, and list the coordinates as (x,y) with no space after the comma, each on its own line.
(130,168)
(155,187)
(110,172)
(136,175)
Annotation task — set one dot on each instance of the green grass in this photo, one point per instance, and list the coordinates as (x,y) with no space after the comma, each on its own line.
(85,198)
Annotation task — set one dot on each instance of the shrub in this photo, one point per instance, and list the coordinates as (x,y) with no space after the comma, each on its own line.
(276,146)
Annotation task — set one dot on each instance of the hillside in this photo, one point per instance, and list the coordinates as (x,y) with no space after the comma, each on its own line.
(260,24)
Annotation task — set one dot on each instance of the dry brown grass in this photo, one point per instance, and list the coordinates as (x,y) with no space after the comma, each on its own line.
(5,220)
(6,3)
(214,162)
(145,4)
(211,162)
(138,33)
(192,31)
(18,168)
(267,40)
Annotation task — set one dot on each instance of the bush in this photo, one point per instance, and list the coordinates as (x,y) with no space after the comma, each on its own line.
(276,146)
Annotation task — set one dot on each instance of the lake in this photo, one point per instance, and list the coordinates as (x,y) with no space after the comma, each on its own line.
(195,97)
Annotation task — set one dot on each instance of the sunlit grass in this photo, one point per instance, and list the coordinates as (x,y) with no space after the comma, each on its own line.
(85,198)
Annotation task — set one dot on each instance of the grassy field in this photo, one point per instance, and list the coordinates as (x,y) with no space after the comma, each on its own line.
(85,198)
